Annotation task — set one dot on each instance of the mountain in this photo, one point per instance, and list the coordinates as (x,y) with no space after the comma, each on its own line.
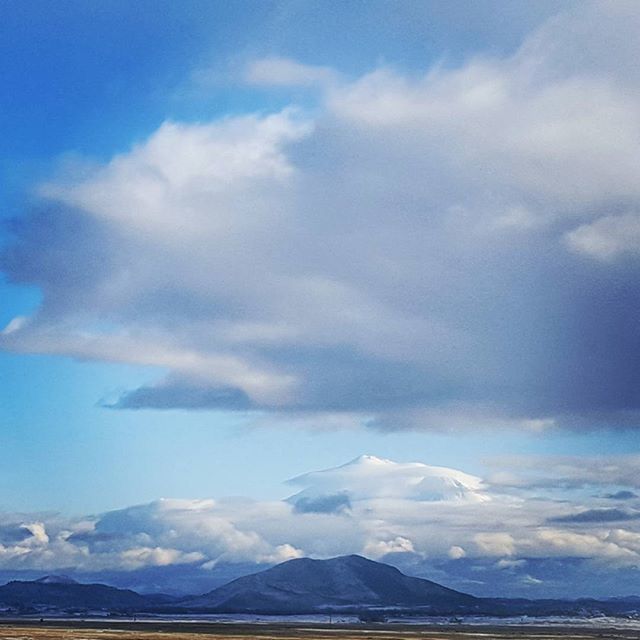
(368,477)
(58,593)
(346,582)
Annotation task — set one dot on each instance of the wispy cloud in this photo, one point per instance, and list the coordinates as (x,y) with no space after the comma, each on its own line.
(284,72)
(597,515)
(566,472)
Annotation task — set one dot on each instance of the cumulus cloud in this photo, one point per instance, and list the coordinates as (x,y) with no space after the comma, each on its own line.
(439,250)
(380,548)
(623,494)
(456,552)
(495,544)
(322,504)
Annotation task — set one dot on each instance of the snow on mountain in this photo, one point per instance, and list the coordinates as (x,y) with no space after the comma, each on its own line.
(55,579)
(369,478)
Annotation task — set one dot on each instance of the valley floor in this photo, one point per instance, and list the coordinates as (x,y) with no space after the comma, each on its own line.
(111,630)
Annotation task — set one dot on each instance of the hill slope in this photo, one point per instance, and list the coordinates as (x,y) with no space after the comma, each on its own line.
(305,585)
(52,594)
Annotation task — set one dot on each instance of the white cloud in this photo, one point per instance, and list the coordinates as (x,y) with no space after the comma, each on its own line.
(590,545)
(608,237)
(505,563)
(568,142)
(284,72)
(216,179)
(495,544)
(14,325)
(390,517)
(380,548)
(368,478)
(456,552)
(156,557)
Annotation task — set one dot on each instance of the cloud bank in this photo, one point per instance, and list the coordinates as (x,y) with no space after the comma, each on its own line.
(432,521)
(451,249)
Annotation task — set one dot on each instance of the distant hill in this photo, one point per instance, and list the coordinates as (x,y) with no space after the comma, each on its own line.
(346,582)
(52,592)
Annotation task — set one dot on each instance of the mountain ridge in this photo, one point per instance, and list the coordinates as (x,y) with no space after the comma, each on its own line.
(39,594)
(305,585)
(345,584)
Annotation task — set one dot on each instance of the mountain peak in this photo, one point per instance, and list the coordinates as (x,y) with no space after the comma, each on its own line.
(306,585)
(366,459)
(352,559)
(368,477)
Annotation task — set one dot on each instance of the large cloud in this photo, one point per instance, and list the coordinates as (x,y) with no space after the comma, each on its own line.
(567,472)
(438,522)
(457,248)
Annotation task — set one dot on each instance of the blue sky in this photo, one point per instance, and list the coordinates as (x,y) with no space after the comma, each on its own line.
(243,241)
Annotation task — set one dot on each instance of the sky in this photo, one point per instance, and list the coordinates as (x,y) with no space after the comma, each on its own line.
(244,242)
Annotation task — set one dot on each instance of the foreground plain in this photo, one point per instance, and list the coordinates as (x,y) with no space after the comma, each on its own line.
(90,630)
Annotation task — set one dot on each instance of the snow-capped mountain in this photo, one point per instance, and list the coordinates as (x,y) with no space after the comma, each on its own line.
(368,478)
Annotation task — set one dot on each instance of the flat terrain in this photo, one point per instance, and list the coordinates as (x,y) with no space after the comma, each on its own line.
(79,630)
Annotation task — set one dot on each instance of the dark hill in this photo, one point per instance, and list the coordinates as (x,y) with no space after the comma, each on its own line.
(68,595)
(347,582)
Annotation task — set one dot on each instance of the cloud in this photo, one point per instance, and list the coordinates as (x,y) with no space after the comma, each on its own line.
(495,544)
(607,237)
(284,72)
(607,545)
(381,548)
(621,495)
(484,576)
(137,557)
(15,533)
(568,472)
(455,552)
(409,514)
(505,563)
(386,256)
(597,515)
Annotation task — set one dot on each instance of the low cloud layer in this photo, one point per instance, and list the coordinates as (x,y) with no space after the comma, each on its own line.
(457,248)
(432,521)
